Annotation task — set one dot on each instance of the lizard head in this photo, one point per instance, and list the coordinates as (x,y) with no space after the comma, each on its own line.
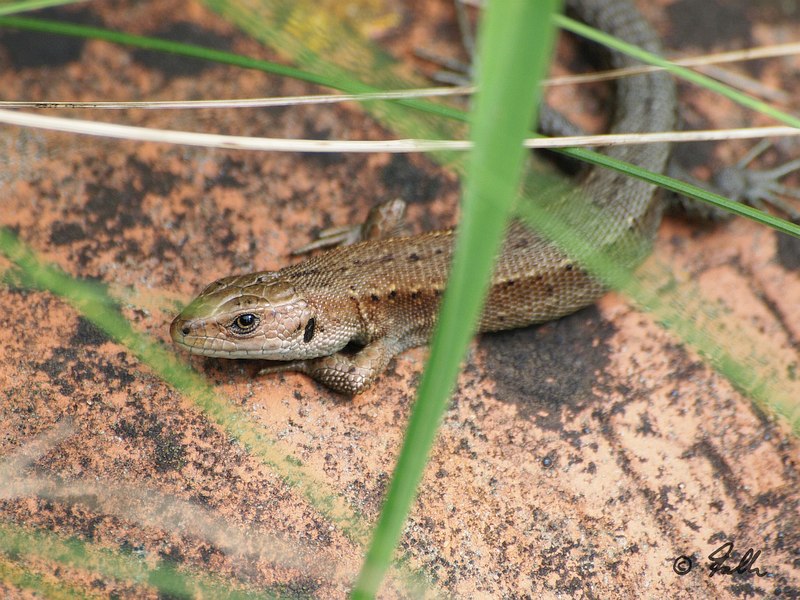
(258,316)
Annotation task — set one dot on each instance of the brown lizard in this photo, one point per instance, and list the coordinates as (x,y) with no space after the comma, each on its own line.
(342,315)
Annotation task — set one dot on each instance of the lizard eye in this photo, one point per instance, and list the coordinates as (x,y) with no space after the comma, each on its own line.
(244,323)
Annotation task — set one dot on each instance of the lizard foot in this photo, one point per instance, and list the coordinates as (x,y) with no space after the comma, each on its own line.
(385,220)
(740,183)
(343,372)
(759,189)
(453,71)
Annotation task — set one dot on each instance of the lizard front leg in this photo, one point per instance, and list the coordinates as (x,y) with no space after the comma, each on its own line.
(385,220)
(345,373)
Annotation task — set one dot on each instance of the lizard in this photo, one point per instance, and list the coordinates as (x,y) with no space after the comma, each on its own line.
(342,315)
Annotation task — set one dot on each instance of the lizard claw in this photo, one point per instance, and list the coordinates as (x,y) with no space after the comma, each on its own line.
(452,71)
(278,366)
(343,235)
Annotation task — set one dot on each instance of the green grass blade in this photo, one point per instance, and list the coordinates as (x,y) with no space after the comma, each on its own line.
(159,45)
(93,301)
(22,577)
(680,307)
(504,109)
(353,86)
(682,72)
(11,8)
(348,84)
(324,78)
(686,189)
(40,545)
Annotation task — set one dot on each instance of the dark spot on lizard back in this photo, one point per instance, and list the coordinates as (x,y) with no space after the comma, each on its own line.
(374,298)
(306,273)
(392,294)
(413,257)
(308,334)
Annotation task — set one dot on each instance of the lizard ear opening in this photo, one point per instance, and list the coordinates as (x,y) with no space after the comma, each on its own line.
(308,334)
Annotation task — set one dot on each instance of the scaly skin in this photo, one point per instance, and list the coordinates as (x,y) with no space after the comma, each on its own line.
(342,315)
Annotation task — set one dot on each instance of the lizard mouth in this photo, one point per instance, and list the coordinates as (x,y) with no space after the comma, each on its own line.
(191,336)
